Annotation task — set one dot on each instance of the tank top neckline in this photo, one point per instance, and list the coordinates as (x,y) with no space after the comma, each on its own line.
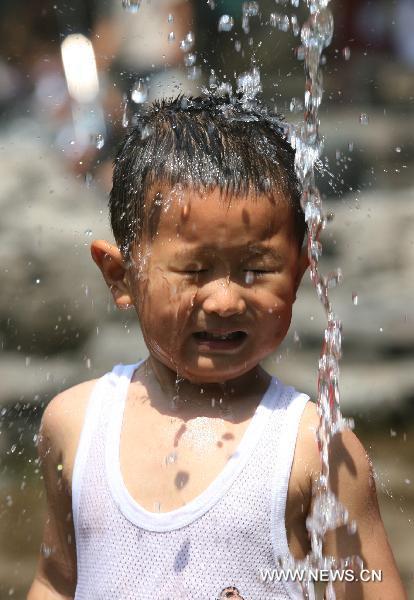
(195,508)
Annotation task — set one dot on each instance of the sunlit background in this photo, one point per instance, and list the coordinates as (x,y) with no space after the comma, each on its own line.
(73,76)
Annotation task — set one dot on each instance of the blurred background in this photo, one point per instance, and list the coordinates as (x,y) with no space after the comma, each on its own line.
(73,76)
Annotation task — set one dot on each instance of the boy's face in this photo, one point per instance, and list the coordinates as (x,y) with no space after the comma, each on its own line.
(215,270)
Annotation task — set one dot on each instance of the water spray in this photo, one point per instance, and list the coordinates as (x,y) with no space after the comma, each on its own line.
(327,513)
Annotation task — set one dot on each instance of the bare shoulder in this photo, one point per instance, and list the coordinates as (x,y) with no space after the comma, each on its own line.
(306,462)
(352,480)
(351,471)
(62,423)
(58,440)
(348,457)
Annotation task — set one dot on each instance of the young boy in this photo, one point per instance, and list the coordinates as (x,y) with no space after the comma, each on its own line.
(187,474)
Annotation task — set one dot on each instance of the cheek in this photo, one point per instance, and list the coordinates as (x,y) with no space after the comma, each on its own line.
(167,306)
(273,298)
(275,312)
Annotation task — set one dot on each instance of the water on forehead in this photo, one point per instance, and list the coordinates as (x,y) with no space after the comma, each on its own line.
(210,219)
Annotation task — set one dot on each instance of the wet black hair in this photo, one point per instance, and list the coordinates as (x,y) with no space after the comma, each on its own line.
(205,142)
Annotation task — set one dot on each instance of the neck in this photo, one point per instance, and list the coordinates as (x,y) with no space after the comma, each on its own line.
(180,395)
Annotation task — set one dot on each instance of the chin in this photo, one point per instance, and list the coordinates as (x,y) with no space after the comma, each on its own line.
(214,374)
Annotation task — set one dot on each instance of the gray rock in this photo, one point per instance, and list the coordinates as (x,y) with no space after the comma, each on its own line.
(51,293)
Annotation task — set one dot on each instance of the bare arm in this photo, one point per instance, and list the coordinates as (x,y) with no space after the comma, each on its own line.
(56,572)
(353,482)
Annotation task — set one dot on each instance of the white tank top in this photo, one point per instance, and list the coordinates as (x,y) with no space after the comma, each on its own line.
(223,539)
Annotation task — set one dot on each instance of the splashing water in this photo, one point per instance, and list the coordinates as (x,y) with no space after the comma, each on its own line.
(139,92)
(249,9)
(250,84)
(131,5)
(188,42)
(327,512)
(98,140)
(226,23)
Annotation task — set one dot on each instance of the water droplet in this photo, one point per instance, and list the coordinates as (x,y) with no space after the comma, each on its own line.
(98,140)
(190,59)
(59,467)
(393,433)
(296,105)
(139,92)
(27,361)
(352,527)
(88,179)
(318,30)
(157,506)
(354,298)
(171,458)
(249,277)
(237,45)
(131,5)
(9,501)
(363,119)
(170,18)
(45,550)
(171,36)
(346,52)
(211,4)
(146,131)
(295,25)
(249,83)
(226,23)
(300,53)
(88,232)
(249,9)
(381,329)
(398,149)
(407,481)
(194,73)
(125,120)
(296,337)
(351,146)
(280,21)
(37,280)
(188,42)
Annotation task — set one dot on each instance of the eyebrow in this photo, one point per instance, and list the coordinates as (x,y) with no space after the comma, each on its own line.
(261,250)
(248,251)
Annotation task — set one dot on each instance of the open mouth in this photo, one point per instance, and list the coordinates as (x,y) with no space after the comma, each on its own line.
(232,335)
(219,341)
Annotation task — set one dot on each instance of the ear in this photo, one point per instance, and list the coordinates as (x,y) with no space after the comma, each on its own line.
(112,265)
(303,264)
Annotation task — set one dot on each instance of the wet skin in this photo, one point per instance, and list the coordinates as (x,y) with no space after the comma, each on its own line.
(214,264)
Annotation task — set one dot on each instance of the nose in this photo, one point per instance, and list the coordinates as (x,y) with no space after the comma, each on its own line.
(223,298)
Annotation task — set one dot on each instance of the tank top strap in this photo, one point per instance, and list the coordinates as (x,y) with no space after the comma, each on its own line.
(104,404)
(290,410)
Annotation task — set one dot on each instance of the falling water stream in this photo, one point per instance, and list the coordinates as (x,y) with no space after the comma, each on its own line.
(327,512)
